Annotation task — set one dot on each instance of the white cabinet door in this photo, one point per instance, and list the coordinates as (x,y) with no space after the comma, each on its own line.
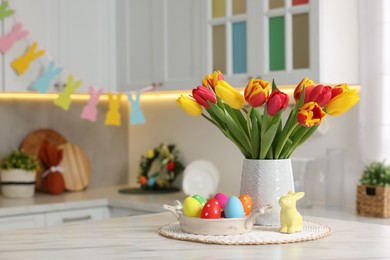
(78,36)
(158,42)
(22,221)
(78,215)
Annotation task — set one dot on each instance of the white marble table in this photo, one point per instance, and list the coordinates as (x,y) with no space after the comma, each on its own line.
(137,237)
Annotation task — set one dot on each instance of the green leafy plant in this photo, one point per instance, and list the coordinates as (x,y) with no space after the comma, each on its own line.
(18,159)
(376,174)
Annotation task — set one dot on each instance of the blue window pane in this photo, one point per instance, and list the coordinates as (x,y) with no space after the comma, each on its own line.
(239,48)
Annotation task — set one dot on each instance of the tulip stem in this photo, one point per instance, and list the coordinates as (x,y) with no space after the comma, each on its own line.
(283,140)
(209,119)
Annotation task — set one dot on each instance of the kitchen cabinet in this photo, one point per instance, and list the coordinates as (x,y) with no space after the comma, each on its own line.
(122,212)
(76,215)
(159,42)
(79,36)
(22,221)
(284,40)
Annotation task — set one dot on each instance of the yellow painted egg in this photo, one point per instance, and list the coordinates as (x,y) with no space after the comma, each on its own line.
(192,207)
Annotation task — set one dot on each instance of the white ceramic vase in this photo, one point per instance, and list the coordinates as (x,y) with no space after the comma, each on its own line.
(266,181)
(17,183)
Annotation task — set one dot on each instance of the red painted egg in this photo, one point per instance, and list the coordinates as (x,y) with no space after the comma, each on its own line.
(211,210)
(246,201)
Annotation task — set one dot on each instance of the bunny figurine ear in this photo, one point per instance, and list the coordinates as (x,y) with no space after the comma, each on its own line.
(299,195)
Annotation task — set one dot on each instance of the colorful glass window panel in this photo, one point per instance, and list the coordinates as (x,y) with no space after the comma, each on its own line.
(274,4)
(219,8)
(276,43)
(239,47)
(300,41)
(219,48)
(239,7)
(299,2)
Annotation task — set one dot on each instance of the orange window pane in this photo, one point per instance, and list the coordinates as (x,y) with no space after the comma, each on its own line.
(300,2)
(273,4)
(301,54)
(219,48)
(239,7)
(219,8)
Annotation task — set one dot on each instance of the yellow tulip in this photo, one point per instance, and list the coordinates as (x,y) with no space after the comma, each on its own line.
(342,100)
(150,154)
(229,95)
(189,105)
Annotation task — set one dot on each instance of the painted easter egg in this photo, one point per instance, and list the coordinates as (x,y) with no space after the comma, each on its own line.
(192,207)
(222,199)
(246,201)
(211,210)
(234,208)
(200,199)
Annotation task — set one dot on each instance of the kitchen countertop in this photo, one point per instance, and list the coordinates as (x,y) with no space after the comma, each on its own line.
(137,237)
(109,196)
(106,196)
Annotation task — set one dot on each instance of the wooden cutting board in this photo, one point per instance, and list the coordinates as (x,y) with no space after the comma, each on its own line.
(32,143)
(77,168)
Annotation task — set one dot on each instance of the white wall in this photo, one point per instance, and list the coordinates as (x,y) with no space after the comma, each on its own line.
(198,139)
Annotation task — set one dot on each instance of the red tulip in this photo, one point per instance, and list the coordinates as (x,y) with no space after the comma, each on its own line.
(171,166)
(320,94)
(306,83)
(310,114)
(256,92)
(276,102)
(202,94)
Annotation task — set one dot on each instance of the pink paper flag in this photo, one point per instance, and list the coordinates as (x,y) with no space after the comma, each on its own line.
(6,42)
(90,111)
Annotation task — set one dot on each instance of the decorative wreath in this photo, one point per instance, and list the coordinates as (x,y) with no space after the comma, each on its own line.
(168,168)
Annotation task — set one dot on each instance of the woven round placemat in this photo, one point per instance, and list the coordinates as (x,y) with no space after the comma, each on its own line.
(260,235)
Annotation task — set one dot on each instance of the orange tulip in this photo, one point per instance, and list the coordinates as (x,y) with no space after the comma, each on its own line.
(306,83)
(212,79)
(256,92)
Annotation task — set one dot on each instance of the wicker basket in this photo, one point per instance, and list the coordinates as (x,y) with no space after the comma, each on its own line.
(373,201)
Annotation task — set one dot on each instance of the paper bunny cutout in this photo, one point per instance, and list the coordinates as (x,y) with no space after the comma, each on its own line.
(4,12)
(6,42)
(22,63)
(63,99)
(90,111)
(136,114)
(42,84)
(113,117)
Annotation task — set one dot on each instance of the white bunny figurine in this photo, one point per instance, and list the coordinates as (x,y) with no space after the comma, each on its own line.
(290,219)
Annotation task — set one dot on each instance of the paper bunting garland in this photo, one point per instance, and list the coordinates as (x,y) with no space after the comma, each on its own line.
(136,114)
(42,84)
(22,63)
(63,99)
(113,117)
(4,11)
(8,41)
(90,110)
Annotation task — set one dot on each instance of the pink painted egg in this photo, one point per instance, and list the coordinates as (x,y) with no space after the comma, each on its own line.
(222,199)
(246,201)
(211,210)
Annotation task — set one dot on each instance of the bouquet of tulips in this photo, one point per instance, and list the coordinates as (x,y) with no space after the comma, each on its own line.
(253,121)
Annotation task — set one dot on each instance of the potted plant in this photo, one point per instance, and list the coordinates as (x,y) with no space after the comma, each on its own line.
(18,171)
(373,194)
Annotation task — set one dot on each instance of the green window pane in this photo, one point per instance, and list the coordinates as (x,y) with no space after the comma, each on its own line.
(273,4)
(219,8)
(301,41)
(239,7)
(276,43)
(300,2)
(239,47)
(219,48)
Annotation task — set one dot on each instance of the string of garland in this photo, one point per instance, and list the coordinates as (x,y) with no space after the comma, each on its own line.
(168,167)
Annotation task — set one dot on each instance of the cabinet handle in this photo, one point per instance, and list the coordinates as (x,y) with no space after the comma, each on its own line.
(67,220)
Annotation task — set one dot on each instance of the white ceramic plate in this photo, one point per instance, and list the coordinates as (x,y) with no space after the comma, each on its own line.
(200,177)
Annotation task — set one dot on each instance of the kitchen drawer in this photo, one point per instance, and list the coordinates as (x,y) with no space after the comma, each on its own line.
(77,215)
(122,212)
(22,221)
